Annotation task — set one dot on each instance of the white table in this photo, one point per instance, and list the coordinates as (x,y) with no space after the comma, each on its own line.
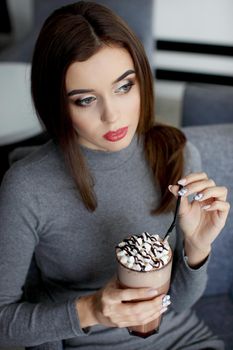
(18,120)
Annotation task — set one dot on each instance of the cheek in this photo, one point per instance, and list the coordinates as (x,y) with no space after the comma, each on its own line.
(84,127)
(134,104)
(81,121)
(78,122)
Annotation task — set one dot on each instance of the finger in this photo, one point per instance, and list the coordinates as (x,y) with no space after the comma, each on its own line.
(197,186)
(174,189)
(193,177)
(129,294)
(147,306)
(130,311)
(140,320)
(218,192)
(143,311)
(222,208)
(184,203)
(203,189)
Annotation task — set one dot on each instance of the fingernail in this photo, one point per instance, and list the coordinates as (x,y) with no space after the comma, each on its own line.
(170,187)
(182,192)
(182,182)
(166,300)
(152,292)
(198,196)
(205,207)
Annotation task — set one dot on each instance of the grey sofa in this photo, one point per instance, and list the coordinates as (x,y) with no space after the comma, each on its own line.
(215,144)
(204,104)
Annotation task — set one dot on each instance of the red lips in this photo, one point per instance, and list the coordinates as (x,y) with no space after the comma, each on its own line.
(117,135)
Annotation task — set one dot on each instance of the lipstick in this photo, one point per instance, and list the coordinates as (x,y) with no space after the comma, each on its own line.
(117,135)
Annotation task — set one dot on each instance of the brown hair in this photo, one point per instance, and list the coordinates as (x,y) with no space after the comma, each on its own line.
(74,33)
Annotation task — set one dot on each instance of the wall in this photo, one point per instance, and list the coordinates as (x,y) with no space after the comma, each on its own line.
(194,44)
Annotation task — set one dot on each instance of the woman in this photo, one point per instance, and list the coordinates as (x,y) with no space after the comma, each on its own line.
(108,171)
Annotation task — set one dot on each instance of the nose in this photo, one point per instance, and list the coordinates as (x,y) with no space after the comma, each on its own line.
(110,112)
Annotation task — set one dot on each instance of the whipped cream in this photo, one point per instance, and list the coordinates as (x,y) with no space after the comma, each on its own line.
(144,252)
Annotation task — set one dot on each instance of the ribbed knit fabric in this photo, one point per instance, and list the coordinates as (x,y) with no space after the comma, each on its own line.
(42,218)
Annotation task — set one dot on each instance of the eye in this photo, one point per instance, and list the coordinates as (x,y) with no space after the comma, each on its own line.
(126,87)
(84,102)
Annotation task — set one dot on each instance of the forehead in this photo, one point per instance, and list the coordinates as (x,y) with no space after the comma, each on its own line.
(104,66)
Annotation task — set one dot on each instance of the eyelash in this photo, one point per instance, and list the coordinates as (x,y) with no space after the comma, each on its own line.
(79,102)
(127,85)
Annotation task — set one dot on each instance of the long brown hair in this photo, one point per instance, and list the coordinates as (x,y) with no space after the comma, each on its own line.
(74,33)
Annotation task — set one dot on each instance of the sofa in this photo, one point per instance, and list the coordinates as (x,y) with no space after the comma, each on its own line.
(204,104)
(215,144)
(207,119)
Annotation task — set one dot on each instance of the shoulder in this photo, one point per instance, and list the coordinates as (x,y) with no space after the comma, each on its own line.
(166,137)
(39,155)
(176,140)
(36,169)
(192,158)
(173,141)
(172,133)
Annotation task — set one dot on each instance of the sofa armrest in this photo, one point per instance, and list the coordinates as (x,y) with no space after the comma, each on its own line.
(215,144)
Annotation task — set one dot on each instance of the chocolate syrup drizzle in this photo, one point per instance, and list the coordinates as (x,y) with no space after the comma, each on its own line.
(132,245)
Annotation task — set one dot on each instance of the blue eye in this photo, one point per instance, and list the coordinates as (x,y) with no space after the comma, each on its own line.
(85,101)
(126,87)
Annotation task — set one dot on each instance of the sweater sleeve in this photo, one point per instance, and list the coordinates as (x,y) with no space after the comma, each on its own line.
(188,284)
(23,323)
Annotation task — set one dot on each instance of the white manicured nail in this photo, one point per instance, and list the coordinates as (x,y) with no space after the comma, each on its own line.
(182,192)
(182,182)
(166,304)
(166,301)
(198,196)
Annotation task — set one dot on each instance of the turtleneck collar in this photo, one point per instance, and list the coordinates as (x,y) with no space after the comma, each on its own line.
(102,160)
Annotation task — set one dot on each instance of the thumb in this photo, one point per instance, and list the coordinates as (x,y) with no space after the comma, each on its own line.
(177,190)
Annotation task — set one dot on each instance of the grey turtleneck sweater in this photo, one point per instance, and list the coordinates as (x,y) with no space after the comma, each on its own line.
(43,220)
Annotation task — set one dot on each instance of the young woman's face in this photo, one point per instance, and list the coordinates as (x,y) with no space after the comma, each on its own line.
(104,99)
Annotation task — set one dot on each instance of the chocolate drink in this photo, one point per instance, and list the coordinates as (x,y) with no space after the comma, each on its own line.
(144,261)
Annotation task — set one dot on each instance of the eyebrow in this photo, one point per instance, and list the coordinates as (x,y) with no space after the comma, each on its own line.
(83,91)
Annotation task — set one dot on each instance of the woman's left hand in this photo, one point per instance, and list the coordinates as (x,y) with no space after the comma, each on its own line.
(202,219)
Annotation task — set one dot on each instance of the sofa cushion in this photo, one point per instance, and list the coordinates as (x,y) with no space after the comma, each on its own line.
(207,104)
(215,144)
(217,312)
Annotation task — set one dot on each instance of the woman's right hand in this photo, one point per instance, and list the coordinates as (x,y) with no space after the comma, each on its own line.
(115,307)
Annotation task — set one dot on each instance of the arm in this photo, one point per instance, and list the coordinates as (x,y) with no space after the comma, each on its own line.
(30,323)
(55,345)
(188,283)
(21,322)
(201,219)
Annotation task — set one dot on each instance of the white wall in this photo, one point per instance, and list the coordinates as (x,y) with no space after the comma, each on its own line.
(200,21)
(192,21)
(195,20)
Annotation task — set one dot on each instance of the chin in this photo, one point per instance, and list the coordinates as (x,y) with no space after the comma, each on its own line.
(119,145)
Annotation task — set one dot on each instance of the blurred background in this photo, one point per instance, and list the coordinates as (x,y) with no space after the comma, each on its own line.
(189,45)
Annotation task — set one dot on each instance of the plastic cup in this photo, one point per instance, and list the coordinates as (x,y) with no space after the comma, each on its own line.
(158,279)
